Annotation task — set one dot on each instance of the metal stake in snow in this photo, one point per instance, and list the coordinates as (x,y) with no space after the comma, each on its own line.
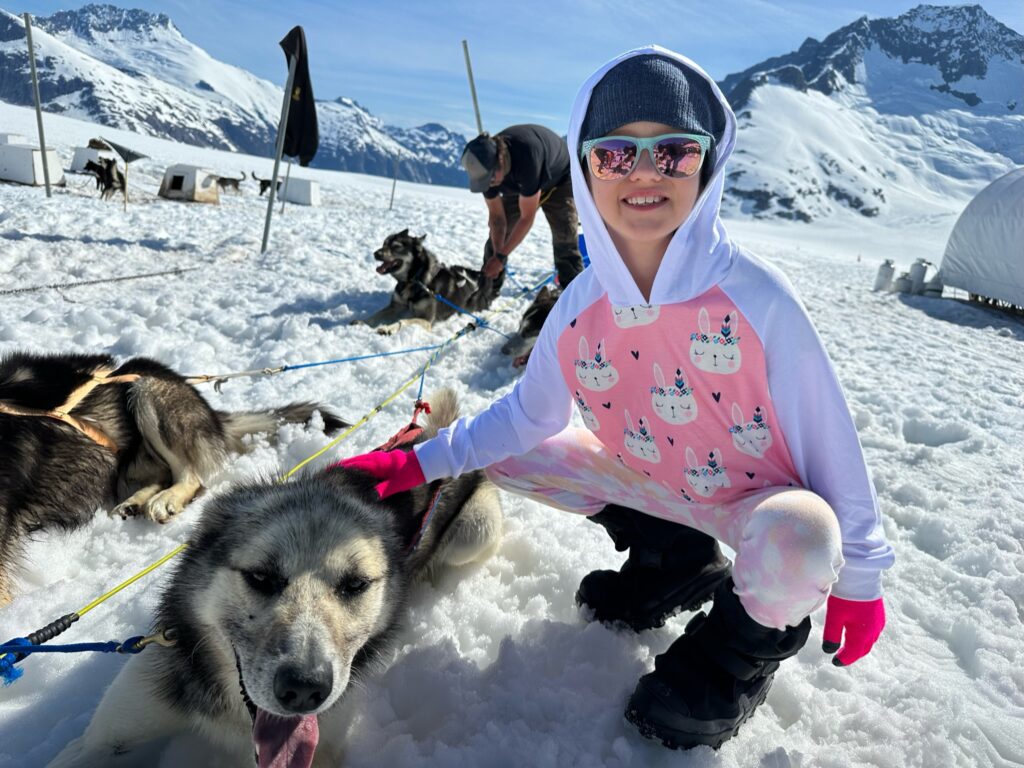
(292,63)
(472,88)
(394,181)
(39,109)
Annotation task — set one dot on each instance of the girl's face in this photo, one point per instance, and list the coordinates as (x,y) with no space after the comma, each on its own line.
(644,207)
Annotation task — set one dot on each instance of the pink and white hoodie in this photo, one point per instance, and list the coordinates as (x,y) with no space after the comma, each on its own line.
(717,387)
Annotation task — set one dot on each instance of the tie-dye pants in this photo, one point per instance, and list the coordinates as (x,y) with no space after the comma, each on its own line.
(787,540)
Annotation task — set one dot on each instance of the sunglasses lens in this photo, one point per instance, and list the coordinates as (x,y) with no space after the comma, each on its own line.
(612,159)
(677,157)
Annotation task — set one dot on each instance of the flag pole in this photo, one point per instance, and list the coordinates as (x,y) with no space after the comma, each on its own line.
(284,187)
(39,109)
(280,148)
(472,88)
(394,181)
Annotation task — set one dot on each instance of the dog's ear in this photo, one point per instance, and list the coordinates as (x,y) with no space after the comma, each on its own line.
(421,238)
(404,232)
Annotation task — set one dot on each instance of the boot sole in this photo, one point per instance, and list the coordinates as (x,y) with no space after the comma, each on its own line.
(690,732)
(703,591)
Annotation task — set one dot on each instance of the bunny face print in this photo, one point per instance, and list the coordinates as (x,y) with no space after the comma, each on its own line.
(706,479)
(589,419)
(641,443)
(750,437)
(595,373)
(673,403)
(637,315)
(717,352)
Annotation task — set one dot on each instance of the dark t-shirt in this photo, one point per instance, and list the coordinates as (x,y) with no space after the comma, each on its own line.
(540,161)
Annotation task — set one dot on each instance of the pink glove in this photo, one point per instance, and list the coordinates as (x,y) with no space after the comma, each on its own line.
(863,622)
(400,470)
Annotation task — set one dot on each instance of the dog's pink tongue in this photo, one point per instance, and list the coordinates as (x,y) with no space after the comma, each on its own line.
(285,742)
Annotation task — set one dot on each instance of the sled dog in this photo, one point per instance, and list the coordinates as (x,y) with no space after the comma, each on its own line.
(521,344)
(287,594)
(81,431)
(228,182)
(420,276)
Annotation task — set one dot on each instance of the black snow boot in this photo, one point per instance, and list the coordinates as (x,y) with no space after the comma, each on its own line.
(710,680)
(670,568)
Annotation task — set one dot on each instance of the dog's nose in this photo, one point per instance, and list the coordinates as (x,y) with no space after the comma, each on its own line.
(299,690)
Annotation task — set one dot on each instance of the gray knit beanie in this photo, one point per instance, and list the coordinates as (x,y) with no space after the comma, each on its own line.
(659,89)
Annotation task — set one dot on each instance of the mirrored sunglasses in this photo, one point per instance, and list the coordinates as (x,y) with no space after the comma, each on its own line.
(675,155)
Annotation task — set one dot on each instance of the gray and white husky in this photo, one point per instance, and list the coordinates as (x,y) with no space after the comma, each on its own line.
(286,594)
(78,432)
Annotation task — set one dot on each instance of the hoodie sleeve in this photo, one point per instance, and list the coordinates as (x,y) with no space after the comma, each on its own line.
(815,419)
(539,406)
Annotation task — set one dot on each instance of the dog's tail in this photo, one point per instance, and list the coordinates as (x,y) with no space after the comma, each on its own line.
(444,410)
(238,425)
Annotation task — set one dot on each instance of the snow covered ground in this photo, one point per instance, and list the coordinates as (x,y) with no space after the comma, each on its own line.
(497,667)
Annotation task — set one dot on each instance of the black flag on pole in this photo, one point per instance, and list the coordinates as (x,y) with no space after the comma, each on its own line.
(301,135)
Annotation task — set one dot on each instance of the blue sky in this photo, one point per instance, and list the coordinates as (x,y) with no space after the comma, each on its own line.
(403,60)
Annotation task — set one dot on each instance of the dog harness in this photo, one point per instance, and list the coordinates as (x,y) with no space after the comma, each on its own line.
(63,412)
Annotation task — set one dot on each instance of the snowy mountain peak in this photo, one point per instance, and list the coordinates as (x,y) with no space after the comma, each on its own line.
(90,20)
(960,52)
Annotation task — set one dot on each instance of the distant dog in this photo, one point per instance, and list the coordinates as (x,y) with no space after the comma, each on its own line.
(80,431)
(227,182)
(109,178)
(286,595)
(521,344)
(420,276)
(265,184)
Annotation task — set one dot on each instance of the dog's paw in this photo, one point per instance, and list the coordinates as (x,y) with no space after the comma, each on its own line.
(126,510)
(389,330)
(163,507)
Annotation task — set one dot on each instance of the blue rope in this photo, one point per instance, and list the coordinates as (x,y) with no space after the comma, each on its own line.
(358,357)
(480,322)
(512,276)
(15,650)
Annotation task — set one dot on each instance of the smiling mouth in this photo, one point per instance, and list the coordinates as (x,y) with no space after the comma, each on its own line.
(644,202)
(389,266)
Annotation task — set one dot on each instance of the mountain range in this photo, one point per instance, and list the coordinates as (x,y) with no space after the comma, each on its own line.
(882,116)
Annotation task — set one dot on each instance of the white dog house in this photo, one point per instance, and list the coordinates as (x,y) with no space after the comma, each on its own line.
(301,191)
(12,138)
(23,163)
(85,154)
(190,183)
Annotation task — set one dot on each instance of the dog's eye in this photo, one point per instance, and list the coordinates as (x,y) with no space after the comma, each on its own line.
(351,586)
(263,582)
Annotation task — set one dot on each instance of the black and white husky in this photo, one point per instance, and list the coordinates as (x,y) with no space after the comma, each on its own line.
(287,593)
(78,432)
(420,276)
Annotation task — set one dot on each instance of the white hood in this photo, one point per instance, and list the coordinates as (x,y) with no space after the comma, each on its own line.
(699,254)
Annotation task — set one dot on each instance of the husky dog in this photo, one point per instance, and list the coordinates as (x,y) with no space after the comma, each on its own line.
(287,593)
(109,178)
(80,431)
(265,183)
(226,182)
(421,277)
(521,344)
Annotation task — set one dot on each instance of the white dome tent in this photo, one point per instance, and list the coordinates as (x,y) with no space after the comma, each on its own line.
(985,252)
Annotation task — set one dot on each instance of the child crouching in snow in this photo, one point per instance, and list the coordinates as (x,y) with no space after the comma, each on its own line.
(712,413)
